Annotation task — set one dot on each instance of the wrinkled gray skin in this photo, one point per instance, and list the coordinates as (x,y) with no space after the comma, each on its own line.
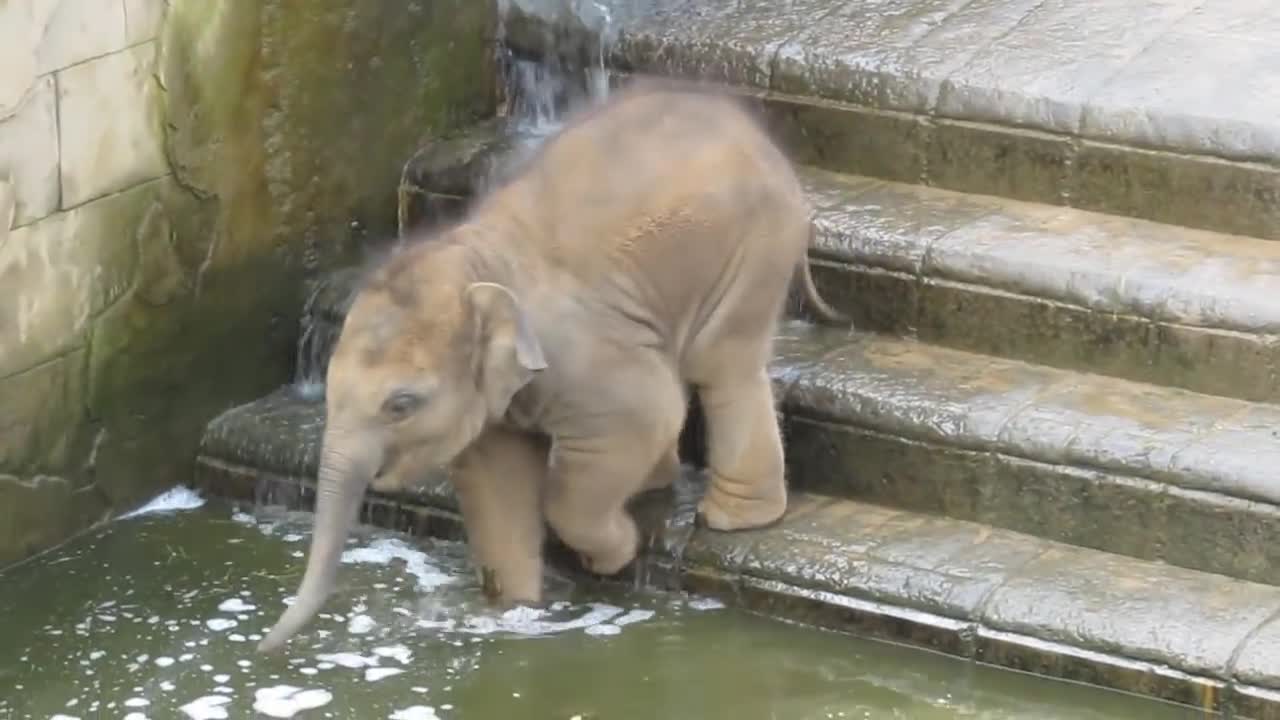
(542,347)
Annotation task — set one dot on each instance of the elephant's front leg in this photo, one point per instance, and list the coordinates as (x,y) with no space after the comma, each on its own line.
(630,447)
(500,482)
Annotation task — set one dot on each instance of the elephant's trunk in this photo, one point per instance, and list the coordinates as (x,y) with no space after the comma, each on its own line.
(340,492)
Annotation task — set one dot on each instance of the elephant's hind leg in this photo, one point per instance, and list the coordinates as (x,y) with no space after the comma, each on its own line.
(500,481)
(745,454)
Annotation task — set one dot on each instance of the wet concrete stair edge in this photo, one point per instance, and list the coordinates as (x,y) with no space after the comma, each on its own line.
(1151,472)
(1046,284)
(979,96)
(958,587)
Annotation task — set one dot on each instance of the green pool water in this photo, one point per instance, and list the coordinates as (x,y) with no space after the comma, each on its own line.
(156,615)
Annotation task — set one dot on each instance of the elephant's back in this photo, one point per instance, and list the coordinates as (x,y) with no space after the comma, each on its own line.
(658,166)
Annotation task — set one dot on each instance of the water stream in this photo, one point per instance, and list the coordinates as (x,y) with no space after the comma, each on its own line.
(155,616)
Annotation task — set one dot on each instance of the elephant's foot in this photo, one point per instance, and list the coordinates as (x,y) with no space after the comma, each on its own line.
(527,591)
(611,559)
(726,510)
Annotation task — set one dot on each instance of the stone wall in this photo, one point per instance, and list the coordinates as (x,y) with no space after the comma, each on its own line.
(171,173)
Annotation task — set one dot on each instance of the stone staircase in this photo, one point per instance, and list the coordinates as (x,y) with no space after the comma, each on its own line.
(1053,444)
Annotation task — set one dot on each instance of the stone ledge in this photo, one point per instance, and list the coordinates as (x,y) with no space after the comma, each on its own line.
(1009,63)
(1149,472)
(1063,287)
(986,101)
(951,586)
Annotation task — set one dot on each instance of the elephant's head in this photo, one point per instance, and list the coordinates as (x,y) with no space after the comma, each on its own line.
(428,355)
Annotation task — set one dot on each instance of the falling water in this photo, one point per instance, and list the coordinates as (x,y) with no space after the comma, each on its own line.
(320,326)
(540,90)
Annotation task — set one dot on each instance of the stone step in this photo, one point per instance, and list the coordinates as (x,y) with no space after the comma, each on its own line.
(1058,286)
(959,587)
(1047,284)
(1119,109)
(1151,472)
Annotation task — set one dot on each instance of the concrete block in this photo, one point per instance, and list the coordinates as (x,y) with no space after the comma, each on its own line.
(78,30)
(110,127)
(29,152)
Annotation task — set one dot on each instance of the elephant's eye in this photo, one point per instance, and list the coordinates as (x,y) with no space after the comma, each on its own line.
(400,405)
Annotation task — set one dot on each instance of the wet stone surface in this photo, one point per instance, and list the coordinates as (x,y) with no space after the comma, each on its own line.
(279,433)
(896,57)
(1146,611)
(1042,75)
(1200,192)
(903,388)
(728,41)
(1052,285)
(914,561)
(1257,662)
(1148,104)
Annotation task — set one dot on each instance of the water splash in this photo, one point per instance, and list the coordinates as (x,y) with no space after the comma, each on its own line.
(175,499)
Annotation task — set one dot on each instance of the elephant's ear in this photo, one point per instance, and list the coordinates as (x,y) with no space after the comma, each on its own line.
(508,352)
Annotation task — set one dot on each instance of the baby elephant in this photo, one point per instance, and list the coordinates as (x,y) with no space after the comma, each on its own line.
(543,345)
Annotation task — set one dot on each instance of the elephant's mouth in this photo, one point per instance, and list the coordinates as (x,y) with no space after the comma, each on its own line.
(389,460)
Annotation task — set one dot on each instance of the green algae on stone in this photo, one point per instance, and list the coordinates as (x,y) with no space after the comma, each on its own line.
(42,419)
(43,511)
(286,129)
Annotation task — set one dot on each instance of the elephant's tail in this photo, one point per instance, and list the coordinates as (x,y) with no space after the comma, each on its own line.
(819,306)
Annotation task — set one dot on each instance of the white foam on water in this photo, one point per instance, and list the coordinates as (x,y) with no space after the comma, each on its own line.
(532,621)
(209,707)
(173,500)
(396,652)
(415,712)
(243,518)
(236,605)
(220,624)
(285,701)
(383,550)
(361,624)
(346,660)
(375,674)
(60,716)
(603,630)
(137,702)
(634,616)
(221,678)
(135,716)
(164,661)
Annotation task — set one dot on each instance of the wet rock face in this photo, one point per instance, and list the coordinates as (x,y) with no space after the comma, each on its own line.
(166,188)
